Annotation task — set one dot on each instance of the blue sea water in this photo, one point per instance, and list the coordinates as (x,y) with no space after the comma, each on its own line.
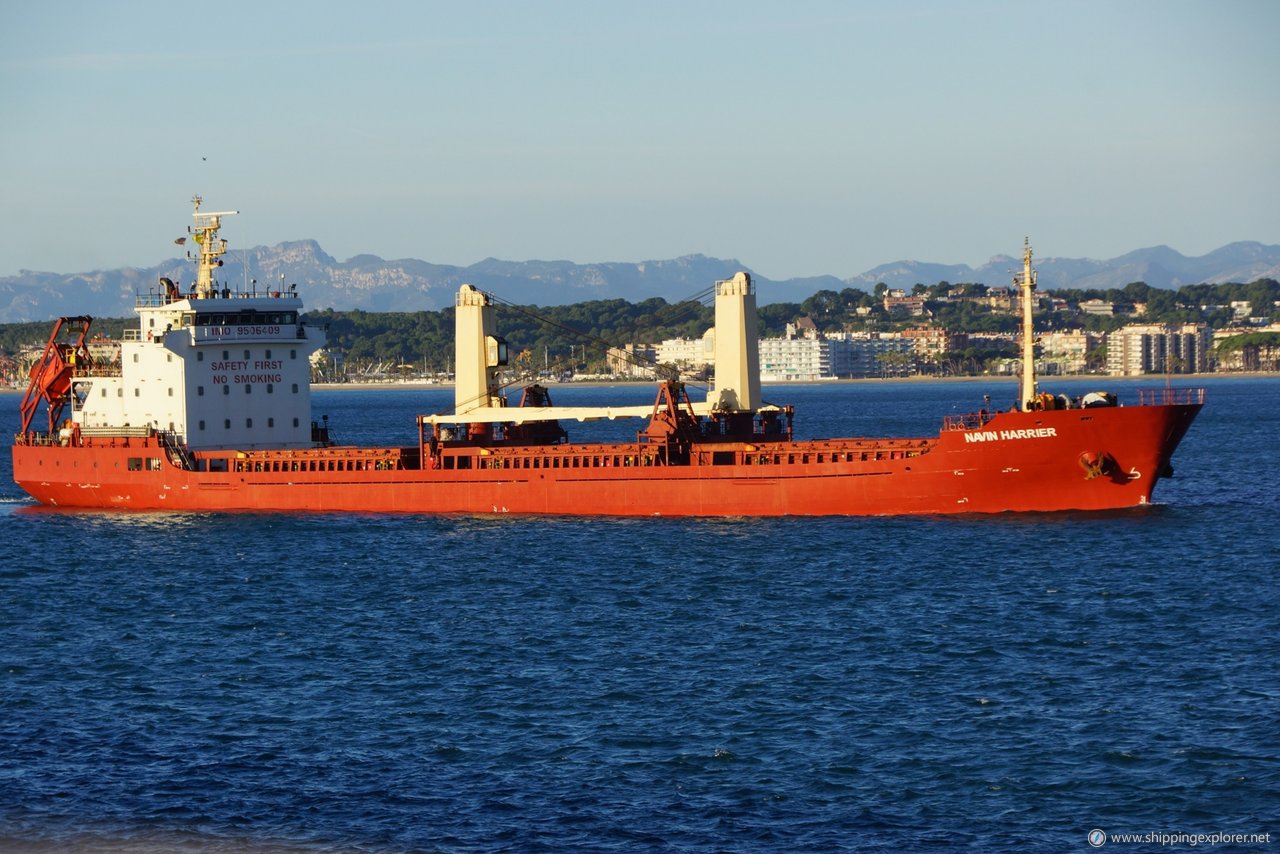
(306,683)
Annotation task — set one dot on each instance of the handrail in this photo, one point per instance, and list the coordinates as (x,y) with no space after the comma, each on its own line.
(33,439)
(152,299)
(1170,396)
(178,453)
(97,370)
(967,421)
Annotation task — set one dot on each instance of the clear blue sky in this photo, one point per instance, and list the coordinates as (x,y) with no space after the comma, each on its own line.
(799,137)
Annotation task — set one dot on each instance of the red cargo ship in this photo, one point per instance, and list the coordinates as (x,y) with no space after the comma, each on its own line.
(206,407)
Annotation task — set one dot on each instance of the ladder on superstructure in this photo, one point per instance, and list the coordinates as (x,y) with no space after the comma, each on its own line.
(178,453)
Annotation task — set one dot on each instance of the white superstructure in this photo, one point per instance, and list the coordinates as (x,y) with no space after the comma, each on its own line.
(215,367)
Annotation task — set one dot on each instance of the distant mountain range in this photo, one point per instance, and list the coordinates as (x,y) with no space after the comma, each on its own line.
(370,283)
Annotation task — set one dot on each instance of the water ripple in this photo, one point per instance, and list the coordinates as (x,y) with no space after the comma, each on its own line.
(317,683)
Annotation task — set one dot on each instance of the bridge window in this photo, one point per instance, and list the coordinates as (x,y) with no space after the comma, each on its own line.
(199,391)
(199,355)
(226,389)
(226,425)
(201,425)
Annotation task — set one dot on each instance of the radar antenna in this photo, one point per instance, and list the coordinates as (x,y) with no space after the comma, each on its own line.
(212,247)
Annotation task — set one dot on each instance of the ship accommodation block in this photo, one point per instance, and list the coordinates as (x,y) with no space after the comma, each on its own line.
(192,366)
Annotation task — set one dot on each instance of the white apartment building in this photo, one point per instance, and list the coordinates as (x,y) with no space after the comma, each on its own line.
(806,357)
(1146,348)
(688,352)
(632,360)
(1069,350)
(798,359)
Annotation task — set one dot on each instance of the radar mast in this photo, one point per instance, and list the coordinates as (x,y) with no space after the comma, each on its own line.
(212,247)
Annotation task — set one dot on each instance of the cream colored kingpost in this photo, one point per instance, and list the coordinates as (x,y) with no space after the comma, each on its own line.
(480,355)
(476,353)
(737,384)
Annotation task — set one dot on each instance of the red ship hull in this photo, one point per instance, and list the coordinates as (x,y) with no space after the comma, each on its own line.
(1073,459)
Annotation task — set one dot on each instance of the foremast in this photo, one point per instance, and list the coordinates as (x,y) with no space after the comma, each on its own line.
(1026,280)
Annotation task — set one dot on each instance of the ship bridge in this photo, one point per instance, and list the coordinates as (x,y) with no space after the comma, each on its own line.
(214,366)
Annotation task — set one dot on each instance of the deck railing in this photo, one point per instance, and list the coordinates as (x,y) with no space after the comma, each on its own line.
(153,299)
(34,439)
(967,421)
(1170,396)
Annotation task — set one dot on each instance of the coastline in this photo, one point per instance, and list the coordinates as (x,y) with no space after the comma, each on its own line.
(426,386)
(393,385)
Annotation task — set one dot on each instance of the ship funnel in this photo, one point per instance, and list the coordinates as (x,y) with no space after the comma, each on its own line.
(478,352)
(737,383)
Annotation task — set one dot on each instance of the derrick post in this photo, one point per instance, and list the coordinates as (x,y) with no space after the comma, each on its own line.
(737,372)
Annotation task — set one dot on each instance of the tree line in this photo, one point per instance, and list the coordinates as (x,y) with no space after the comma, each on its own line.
(577,336)
(957,307)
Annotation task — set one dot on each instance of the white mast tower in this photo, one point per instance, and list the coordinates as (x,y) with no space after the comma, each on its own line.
(1027,282)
